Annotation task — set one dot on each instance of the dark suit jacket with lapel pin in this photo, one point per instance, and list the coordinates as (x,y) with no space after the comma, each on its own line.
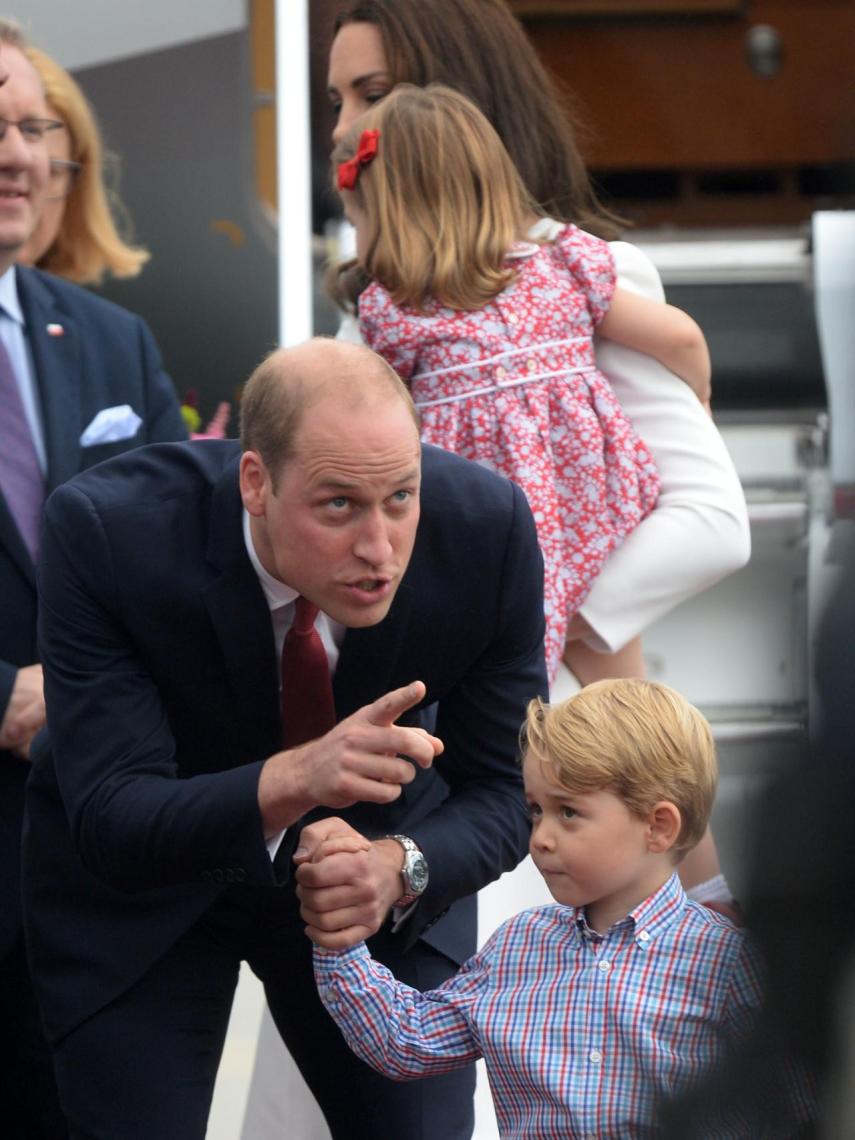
(162,687)
(88,355)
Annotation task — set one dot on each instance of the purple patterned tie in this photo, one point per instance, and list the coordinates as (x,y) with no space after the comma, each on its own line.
(21,479)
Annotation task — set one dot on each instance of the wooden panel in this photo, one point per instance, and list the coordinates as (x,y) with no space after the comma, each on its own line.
(588,8)
(682,93)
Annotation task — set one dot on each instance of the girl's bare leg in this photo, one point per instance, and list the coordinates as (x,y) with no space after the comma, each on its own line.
(589,665)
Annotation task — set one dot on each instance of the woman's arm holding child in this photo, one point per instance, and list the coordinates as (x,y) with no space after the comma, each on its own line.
(662,331)
(699,530)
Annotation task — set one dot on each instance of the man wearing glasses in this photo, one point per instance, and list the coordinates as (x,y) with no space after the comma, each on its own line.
(80,380)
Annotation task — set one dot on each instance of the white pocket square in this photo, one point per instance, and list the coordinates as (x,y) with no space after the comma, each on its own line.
(112,425)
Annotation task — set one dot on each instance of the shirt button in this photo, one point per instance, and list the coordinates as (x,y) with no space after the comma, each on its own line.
(512,318)
(595,1056)
(501,373)
(643,936)
(604,965)
(531,364)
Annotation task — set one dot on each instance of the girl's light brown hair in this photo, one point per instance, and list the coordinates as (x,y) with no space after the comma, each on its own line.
(88,244)
(639,739)
(443,199)
(480,49)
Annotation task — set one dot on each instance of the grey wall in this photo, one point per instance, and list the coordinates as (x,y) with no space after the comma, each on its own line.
(180,118)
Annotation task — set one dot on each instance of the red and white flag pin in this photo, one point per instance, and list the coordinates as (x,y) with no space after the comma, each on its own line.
(55,330)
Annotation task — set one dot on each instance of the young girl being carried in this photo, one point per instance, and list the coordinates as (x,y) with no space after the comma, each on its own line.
(494,333)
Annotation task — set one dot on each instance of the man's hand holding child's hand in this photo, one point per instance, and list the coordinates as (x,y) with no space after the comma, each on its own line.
(346,884)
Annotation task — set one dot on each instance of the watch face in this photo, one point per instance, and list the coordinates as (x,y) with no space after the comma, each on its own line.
(417,873)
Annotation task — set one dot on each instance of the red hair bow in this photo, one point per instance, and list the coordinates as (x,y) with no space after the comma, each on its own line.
(366,152)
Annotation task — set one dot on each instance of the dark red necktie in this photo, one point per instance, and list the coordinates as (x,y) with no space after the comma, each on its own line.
(308,710)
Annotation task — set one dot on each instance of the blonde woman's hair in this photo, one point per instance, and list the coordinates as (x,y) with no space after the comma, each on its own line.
(88,244)
(443,199)
(639,739)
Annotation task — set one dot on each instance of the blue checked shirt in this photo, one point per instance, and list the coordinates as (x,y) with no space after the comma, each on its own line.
(582,1034)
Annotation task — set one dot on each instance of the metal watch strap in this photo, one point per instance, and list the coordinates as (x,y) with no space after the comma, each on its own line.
(410,848)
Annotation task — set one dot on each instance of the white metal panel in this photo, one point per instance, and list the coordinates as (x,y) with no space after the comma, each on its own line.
(83,35)
(834,283)
(293,146)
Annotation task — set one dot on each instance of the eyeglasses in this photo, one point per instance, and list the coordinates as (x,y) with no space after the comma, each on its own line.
(62,175)
(32,130)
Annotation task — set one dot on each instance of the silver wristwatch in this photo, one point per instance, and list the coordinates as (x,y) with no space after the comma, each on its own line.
(414,871)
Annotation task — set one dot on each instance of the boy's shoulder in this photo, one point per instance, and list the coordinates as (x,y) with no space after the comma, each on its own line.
(707,918)
(717,933)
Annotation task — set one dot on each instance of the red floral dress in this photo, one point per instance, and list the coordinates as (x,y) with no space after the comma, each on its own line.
(514,386)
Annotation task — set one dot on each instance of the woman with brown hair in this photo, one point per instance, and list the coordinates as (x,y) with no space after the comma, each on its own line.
(76,236)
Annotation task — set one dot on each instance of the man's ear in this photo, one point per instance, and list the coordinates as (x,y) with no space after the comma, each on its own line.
(663,826)
(254,483)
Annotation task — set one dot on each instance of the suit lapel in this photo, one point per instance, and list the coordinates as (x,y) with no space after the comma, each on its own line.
(241,619)
(57,363)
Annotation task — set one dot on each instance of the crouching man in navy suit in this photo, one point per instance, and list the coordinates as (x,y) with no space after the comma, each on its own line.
(154,855)
(80,380)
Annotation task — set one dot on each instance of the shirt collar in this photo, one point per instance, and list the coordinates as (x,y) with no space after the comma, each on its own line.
(9,302)
(648,919)
(276,592)
(659,910)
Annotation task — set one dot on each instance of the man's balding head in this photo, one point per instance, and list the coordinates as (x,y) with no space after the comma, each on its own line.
(291,381)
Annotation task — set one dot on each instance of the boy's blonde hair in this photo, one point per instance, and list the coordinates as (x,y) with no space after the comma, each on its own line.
(443,198)
(638,739)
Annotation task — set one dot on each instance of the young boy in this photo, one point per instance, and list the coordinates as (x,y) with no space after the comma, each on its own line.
(591,1011)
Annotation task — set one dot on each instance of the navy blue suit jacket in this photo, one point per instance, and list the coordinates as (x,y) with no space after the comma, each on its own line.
(162,688)
(105,356)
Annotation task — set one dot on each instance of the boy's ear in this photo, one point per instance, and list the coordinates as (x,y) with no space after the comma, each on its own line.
(663,826)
